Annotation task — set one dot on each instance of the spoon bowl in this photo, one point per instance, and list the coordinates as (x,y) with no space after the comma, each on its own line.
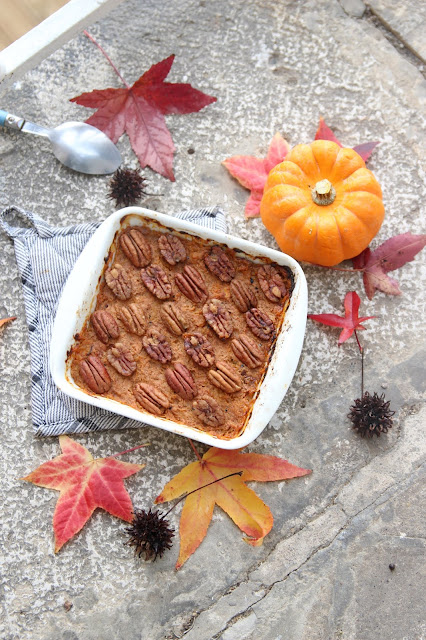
(84,148)
(77,145)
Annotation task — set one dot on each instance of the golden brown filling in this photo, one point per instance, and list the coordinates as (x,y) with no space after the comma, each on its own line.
(182,329)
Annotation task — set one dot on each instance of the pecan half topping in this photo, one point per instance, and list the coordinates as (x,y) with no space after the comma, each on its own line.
(105,326)
(121,359)
(133,318)
(181,381)
(219,318)
(151,398)
(119,282)
(157,282)
(208,411)
(199,348)
(260,324)
(156,346)
(243,295)
(136,248)
(248,352)
(192,284)
(171,249)
(173,318)
(271,283)
(225,377)
(95,375)
(220,264)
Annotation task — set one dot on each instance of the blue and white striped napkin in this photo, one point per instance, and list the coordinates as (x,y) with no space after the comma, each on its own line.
(45,256)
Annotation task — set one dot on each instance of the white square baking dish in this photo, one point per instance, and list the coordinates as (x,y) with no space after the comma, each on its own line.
(78,300)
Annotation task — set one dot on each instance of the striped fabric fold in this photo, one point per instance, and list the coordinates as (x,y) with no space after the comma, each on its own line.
(45,256)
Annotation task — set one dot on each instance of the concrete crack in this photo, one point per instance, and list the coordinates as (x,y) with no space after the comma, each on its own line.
(267,588)
(395,39)
(332,502)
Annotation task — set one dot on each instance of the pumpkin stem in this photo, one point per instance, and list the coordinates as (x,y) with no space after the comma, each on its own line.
(323,193)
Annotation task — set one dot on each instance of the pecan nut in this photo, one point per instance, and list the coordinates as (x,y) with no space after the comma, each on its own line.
(220,264)
(271,283)
(219,318)
(181,381)
(133,318)
(121,359)
(150,398)
(95,375)
(225,378)
(173,318)
(260,324)
(156,346)
(136,248)
(192,285)
(119,282)
(248,352)
(243,295)
(157,282)
(208,411)
(171,249)
(199,348)
(105,326)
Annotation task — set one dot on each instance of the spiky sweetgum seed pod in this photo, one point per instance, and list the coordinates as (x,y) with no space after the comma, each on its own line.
(370,415)
(150,533)
(126,187)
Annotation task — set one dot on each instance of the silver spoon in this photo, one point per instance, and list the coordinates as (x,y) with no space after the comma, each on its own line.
(77,145)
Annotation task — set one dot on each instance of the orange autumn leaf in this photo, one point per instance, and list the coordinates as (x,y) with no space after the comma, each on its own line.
(242,504)
(252,172)
(4,321)
(84,483)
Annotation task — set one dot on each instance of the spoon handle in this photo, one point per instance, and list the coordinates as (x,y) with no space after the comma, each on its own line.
(20,124)
(10,121)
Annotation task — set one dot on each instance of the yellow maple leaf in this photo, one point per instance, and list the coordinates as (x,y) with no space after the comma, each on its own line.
(240,502)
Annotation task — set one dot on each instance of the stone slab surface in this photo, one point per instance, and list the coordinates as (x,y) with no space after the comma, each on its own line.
(322,571)
(315,583)
(406,19)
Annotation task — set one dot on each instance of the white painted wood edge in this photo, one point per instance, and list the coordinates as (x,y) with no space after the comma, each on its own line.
(29,50)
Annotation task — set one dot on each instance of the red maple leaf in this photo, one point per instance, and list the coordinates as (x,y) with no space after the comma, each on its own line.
(252,172)
(325,133)
(84,483)
(139,111)
(391,255)
(350,323)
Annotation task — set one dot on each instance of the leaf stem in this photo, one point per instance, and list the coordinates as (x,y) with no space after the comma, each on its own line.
(87,34)
(357,339)
(361,350)
(236,473)
(195,450)
(129,450)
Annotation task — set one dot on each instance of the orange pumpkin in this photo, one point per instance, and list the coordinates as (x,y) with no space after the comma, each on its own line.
(321,204)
